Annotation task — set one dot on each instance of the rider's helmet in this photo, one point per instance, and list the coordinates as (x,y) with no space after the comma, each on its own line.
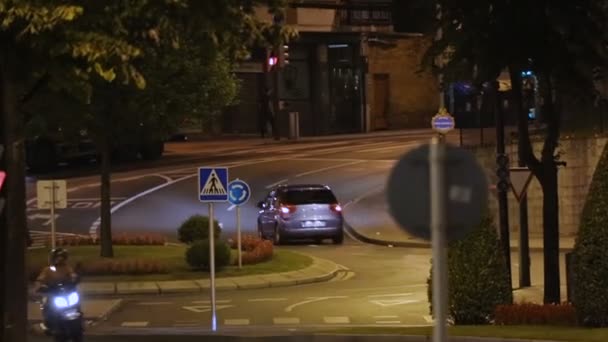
(58,255)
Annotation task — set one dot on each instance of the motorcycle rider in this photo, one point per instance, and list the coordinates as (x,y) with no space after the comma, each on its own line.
(58,272)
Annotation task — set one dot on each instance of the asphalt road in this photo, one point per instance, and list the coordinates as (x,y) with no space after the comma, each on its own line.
(352,168)
(383,287)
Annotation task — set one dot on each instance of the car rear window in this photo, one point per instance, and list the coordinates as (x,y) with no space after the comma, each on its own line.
(308,196)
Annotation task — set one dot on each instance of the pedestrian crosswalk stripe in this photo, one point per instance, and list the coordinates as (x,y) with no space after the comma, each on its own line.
(213,185)
(336,320)
(286,320)
(237,321)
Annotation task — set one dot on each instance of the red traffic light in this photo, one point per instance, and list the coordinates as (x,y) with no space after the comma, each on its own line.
(2,178)
(272,60)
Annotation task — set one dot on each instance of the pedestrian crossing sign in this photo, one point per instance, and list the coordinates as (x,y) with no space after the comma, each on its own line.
(212,184)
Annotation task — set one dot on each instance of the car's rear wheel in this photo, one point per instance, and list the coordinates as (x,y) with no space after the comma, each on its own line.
(338,239)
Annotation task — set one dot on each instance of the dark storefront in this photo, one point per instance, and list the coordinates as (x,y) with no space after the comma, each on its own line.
(323,81)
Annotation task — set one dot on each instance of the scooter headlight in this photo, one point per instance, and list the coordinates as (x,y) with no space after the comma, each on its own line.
(73,298)
(60,302)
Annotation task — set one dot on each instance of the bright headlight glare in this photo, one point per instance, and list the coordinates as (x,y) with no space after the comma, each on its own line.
(60,302)
(73,298)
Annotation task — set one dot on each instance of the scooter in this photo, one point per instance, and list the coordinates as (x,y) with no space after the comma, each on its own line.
(63,317)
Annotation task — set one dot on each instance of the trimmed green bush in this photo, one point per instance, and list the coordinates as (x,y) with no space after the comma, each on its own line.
(197,255)
(477,276)
(197,228)
(590,266)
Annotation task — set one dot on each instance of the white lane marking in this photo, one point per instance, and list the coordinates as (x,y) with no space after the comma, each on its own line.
(267,299)
(93,229)
(391,295)
(236,321)
(135,324)
(311,300)
(154,303)
(428,318)
(326,169)
(186,325)
(388,322)
(385,317)
(95,225)
(276,183)
(166,178)
(286,320)
(336,320)
(230,208)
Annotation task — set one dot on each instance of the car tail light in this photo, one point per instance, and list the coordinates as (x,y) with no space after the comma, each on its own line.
(336,207)
(286,210)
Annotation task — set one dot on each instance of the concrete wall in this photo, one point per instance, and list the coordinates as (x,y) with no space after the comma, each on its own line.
(582,156)
(414,96)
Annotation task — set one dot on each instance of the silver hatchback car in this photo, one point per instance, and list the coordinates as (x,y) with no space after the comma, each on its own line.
(305,211)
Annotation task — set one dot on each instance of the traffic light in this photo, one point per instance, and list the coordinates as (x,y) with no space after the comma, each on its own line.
(272,60)
(284,55)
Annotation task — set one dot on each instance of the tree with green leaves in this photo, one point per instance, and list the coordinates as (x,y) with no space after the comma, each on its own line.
(590,264)
(477,276)
(560,42)
(86,46)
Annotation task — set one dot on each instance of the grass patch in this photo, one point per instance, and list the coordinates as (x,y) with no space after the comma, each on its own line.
(570,334)
(173,257)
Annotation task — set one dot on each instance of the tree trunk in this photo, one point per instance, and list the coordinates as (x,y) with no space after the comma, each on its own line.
(107,250)
(548,180)
(545,171)
(13,223)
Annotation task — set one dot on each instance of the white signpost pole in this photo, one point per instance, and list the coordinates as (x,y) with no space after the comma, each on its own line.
(53,231)
(238,235)
(212,267)
(438,236)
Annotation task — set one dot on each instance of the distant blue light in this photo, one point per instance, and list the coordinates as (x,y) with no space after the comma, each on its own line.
(532,114)
(526,73)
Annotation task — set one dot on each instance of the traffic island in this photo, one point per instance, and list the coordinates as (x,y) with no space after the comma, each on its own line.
(286,268)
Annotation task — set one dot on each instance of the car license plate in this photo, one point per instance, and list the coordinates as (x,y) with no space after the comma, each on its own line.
(313,224)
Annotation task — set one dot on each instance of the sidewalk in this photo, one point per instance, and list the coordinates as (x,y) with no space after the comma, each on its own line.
(369,221)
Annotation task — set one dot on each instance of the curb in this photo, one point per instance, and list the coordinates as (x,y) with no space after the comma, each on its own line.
(403,244)
(321,270)
(416,244)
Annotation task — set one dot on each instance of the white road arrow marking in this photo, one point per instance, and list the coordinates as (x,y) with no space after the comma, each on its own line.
(393,302)
(311,300)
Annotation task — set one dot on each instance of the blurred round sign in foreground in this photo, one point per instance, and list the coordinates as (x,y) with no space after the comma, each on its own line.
(409,197)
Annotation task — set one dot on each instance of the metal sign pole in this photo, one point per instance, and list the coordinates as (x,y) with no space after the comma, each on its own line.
(438,234)
(238,235)
(212,267)
(53,237)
